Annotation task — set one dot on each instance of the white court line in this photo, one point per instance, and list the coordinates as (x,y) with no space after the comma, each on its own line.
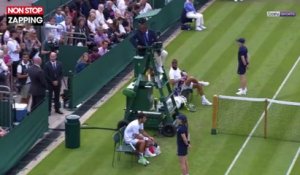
(293,162)
(259,120)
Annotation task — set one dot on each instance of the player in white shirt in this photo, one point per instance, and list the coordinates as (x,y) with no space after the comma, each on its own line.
(135,134)
(181,80)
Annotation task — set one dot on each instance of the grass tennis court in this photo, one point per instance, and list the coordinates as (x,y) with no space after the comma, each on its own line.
(273,44)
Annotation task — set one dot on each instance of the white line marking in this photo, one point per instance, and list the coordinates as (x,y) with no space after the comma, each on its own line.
(259,120)
(293,162)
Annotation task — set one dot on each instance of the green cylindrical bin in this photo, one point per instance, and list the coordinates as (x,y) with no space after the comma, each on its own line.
(72,132)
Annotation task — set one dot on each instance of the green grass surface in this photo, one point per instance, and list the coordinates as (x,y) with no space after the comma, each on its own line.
(273,44)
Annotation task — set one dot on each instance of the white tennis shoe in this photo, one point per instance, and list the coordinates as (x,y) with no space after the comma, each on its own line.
(198,29)
(205,102)
(242,92)
(203,83)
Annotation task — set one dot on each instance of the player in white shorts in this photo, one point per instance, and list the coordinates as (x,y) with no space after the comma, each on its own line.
(135,135)
(182,80)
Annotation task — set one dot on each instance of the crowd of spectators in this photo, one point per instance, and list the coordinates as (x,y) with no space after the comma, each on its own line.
(98,24)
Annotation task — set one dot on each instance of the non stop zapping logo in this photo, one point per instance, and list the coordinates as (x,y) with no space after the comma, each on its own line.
(25,15)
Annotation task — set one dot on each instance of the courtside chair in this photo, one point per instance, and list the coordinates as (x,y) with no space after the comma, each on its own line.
(186,23)
(121,147)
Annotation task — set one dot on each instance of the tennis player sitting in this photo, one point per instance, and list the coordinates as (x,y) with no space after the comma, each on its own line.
(136,135)
(180,80)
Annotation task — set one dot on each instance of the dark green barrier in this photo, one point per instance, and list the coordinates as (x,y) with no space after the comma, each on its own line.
(95,76)
(6,113)
(69,56)
(167,16)
(157,3)
(18,142)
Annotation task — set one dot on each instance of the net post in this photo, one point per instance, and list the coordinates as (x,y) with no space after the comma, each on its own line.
(266,118)
(214,115)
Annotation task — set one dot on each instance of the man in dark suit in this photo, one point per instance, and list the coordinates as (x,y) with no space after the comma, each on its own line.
(54,75)
(143,38)
(38,85)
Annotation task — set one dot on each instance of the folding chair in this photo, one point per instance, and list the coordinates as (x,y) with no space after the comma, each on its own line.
(120,146)
(185,22)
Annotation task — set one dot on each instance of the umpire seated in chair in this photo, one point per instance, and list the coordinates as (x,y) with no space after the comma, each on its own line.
(144,37)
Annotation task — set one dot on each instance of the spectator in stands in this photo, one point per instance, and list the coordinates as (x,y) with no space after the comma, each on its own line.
(136,135)
(67,24)
(81,31)
(143,38)
(14,50)
(52,28)
(94,55)
(119,29)
(23,49)
(26,41)
(38,82)
(54,75)
(136,9)
(6,57)
(3,70)
(83,8)
(192,13)
(82,63)
(3,28)
(114,6)
(5,31)
(100,36)
(23,77)
(20,36)
(35,44)
(108,11)
(49,45)
(111,33)
(103,49)
(69,12)
(100,16)
(28,28)
(68,29)
(92,22)
(181,81)
(8,63)
(122,6)
(127,22)
(59,15)
(144,6)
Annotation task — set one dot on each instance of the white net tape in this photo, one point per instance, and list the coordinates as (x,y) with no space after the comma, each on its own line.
(251,99)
